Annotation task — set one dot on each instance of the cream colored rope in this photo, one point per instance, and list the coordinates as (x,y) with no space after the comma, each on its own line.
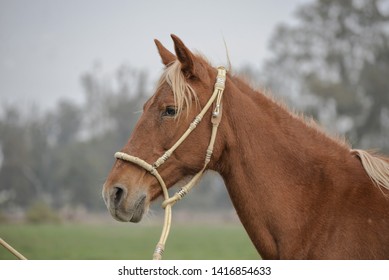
(170,201)
(168,212)
(12,250)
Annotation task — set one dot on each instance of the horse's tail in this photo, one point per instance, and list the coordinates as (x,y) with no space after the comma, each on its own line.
(376,167)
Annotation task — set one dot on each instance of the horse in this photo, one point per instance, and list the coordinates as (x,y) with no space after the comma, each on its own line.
(299,192)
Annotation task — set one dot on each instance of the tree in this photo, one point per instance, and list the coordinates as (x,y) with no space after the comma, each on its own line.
(66,122)
(24,149)
(333,61)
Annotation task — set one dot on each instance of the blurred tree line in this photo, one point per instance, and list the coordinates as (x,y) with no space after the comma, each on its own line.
(332,63)
(62,156)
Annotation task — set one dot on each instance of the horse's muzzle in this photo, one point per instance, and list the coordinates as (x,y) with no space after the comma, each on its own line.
(122,207)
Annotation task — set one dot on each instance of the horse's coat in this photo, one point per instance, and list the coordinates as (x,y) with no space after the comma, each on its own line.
(299,193)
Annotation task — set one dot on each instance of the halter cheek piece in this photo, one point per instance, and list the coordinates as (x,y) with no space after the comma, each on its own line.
(152,168)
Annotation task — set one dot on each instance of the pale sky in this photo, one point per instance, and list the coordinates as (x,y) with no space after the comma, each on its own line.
(46,45)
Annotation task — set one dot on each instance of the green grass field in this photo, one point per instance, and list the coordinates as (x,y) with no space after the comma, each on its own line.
(124,241)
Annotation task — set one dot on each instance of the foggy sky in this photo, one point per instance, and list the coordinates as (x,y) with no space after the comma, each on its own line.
(45,46)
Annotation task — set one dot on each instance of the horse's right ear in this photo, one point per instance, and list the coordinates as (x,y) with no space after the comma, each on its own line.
(185,56)
(166,56)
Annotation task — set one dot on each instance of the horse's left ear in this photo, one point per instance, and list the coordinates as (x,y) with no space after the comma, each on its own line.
(166,56)
(185,56)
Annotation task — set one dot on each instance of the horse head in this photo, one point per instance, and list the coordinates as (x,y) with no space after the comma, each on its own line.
(183,90)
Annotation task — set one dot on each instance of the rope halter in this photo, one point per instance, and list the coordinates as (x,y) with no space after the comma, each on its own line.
(152,168)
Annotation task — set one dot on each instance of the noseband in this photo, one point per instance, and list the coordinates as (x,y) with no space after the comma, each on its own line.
(152,168)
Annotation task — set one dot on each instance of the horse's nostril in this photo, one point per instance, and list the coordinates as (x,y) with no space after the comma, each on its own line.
(117,195)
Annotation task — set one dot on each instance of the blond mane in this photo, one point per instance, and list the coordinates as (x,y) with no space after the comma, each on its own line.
(184,94)
(375,166)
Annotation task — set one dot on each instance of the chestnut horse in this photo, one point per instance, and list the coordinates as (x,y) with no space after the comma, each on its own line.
(299,193)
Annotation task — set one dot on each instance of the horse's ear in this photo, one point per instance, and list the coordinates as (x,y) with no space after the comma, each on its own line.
(185,56)
(166,56)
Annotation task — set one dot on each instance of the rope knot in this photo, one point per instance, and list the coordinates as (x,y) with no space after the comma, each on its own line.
(182,192)
(153,171)
(195,122)
(158,252)
(162,159)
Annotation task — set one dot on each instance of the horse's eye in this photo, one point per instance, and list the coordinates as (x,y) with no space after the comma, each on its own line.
(169,112)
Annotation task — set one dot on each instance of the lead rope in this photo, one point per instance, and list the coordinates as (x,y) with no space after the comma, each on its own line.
(12,250)
(152,169)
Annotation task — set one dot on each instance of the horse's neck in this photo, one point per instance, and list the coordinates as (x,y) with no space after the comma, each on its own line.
(271,163)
